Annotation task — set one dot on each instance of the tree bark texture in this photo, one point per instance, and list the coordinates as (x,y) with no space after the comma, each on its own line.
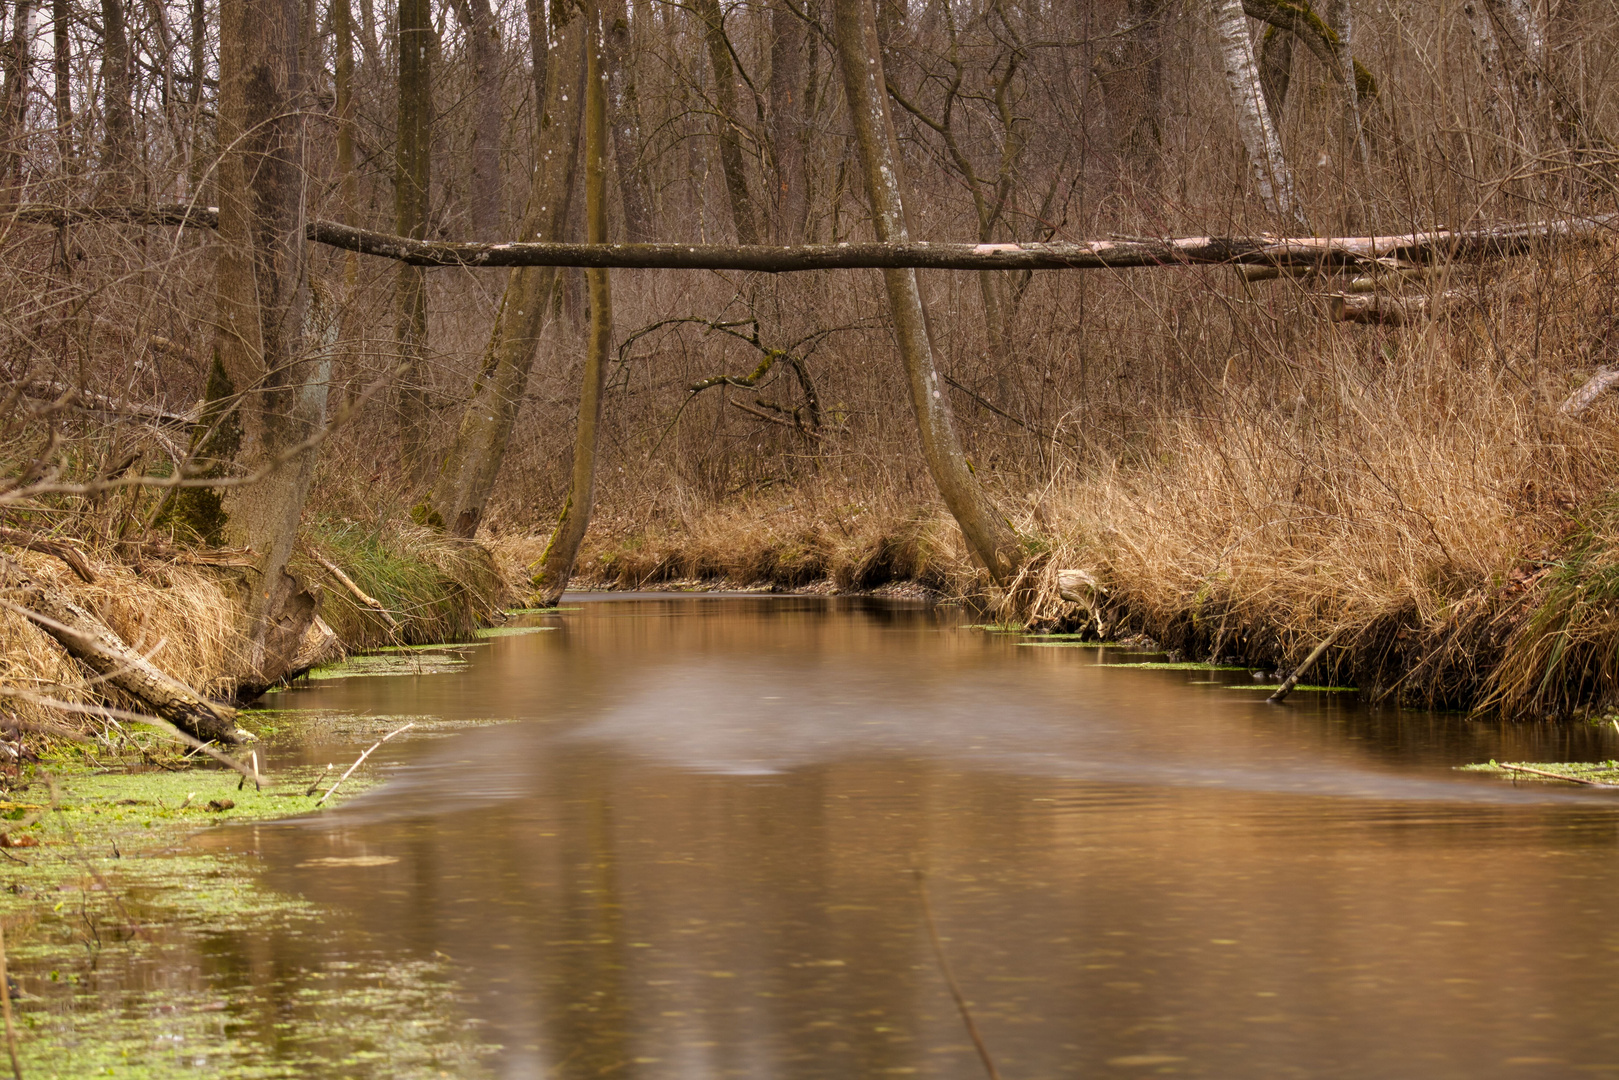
(348,189)
(732,160)
(91,642)
(988,535)
(1260,136)
(1129,68)
(483,37)
(62,74)
(117,117)
(412,188)
(19,65)
(789,45)
(263,305)
(556,565)
(467,476)
(1275,68)
(624,117)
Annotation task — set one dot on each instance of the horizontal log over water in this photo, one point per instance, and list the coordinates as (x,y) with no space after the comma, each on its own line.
(1263,250)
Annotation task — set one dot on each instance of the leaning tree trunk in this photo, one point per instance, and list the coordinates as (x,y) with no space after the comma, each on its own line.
(468,474)
(263,305)
(556,565)
(1260,136)
(412,181)
(732,161)
(987,533)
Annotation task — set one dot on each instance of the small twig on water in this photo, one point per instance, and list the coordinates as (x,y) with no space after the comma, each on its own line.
(1558,776)
(5,1007)
(360,759)
(314,785)
(950,979)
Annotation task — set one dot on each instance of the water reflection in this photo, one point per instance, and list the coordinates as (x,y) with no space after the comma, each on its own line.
(695,858)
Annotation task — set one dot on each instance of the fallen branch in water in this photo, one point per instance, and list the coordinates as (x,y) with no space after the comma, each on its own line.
(950,979)
(1558,776)
(1298,673)
(360,759)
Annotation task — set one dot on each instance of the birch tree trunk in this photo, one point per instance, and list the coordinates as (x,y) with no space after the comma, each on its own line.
(624,116)
(988,535)
(263,304)
(468,474)
(556,565)
(732,161)
(412,187)
(1260,136)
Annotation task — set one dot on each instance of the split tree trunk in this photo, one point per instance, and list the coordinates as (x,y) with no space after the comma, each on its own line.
(732,161)
(263,301)
(89,640)
(412,185)
(556,565)
(468,474)
(1260,136)
(988,535)
(624,117)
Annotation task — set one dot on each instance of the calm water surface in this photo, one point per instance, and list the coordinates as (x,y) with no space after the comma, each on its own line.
(693,853)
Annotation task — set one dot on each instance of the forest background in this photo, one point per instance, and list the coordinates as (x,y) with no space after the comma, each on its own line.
(1241,460)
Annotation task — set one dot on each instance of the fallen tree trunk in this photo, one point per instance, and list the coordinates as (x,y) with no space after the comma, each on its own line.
(1385,309)
(89,640)
(1582,399)
(1263,250)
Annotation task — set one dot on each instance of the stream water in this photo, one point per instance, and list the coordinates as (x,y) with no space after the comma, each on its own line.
(697,845)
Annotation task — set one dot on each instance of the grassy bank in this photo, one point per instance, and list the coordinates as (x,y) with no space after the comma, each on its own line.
(179,610)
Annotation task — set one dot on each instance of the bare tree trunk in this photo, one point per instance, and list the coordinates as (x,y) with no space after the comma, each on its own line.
(263,300)
(1129,68)
(1259,134)
(19,64)
(61,69)
(468,474)
(348,189)
(412,188)
(988,534)
(788,46)
(119,121)
(732,160)
(624,117)
(484,37)
(556,565)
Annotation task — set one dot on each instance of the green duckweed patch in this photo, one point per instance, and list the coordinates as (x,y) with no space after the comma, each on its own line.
(1271,687)
(540,610)
(1188,665)
(439,661)
(145,946)
(512,631)
(998,628)
(1600,772)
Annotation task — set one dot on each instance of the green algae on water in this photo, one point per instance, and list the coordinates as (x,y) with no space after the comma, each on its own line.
(1600,772)
(1300,686)
(1188,665)
(512,631)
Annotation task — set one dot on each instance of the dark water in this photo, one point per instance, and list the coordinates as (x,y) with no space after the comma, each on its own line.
(694,853)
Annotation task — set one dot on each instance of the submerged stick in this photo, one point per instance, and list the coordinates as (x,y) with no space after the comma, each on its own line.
(1298,673)
(361,758)
(5,1007)
(950,979)
(1558,776)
